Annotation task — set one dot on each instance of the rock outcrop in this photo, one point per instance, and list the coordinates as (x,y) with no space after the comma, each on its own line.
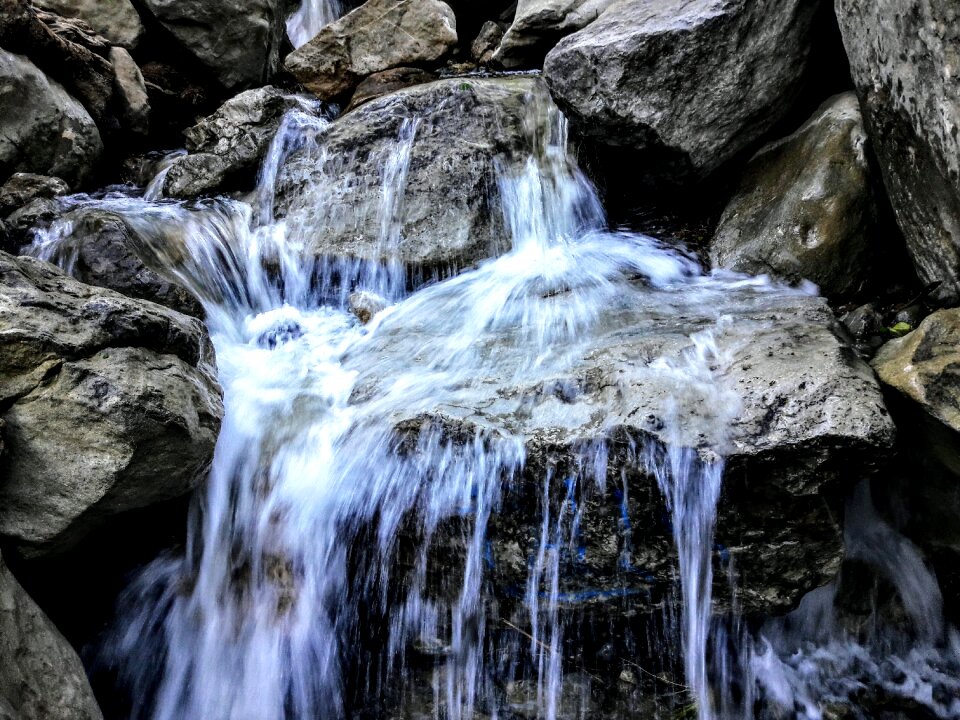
(41,677)
(690,83)
(116,20)
(805,207)
(447,215)
(109,404)
(42,128)
(236,41)
(377,36)
(903,57)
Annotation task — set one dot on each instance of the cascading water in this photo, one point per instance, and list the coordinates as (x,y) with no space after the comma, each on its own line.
(337,559)
(310,17)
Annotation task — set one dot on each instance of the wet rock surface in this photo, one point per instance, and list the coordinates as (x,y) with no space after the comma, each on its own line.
(689,83)
(41,677)
(903,60)
(804,408)
(377,36)
(110,404)
(446,218)
(116,20)
(805,208)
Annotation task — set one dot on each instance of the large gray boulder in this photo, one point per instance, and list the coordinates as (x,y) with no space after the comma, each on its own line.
(903,57)
(229,143)
(109,404)
(377,36)
(236,41)
(805,207)
(798,409)
(41,677)
(691,82)
(42,128)
(116,20)
(447,215)
(539,24)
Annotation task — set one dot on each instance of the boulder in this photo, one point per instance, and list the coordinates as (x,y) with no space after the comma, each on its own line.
(97,248)
(41,677)
(236,41)
(903,58)
(42,128)
(486,43)
(377,36)
(68,51)
(803,409)
(386,82)
(109,404)
(689,83)
(539,24)
(131,92)
(805,207)
(22,188)
(229,143)
(116,20)
(447,216)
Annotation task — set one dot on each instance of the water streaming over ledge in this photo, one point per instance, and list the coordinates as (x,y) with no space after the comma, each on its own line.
(310,17)
(337,558)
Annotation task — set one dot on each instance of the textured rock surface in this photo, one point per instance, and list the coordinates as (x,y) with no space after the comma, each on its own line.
(904,59)
(924,366)
(117,20)
(539,24)
(41,677)
(446,218)
(21,188)
(42,129)
(237,41)
(109,404)
(692,82)
(228,143)
(100,250)
(805,410)
(805,207)
(377,36)
(386,82)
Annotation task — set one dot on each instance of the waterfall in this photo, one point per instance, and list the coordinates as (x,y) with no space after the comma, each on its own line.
(310,17)
(338,558)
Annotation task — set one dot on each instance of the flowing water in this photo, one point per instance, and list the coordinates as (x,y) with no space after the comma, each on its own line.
(310,17)
(339,557)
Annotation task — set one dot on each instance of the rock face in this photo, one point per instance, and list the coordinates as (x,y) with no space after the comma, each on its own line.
(237,41)
(903,57)
(228,143)
(805,206)
(41,677)
(116,20)
(42,128)
(447,215)
(377,36)
(130,91)
(21,188)
(100,250)
(539,24)
(805,409)
(692,83)
(110,404)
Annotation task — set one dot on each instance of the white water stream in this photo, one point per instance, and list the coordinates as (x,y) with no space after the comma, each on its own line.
(310,578)
(312,15)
